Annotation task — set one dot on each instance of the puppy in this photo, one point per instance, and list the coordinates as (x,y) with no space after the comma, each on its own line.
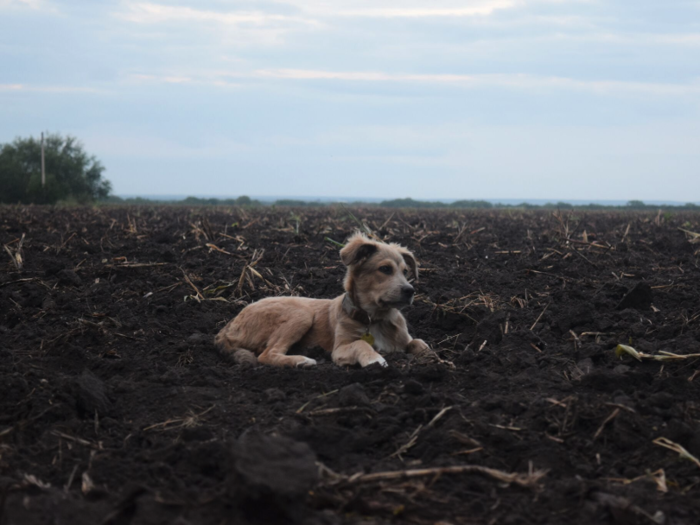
(352,327)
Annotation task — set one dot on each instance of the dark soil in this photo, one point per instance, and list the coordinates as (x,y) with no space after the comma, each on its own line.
(115,408)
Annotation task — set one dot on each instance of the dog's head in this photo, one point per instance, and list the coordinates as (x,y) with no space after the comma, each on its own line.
(378,273)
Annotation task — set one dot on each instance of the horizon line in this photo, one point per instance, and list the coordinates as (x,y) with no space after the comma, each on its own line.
(308,198)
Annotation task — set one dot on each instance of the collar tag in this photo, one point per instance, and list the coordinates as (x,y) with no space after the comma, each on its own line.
(368,338)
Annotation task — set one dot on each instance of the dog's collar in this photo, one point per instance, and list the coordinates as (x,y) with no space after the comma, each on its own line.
(355,313)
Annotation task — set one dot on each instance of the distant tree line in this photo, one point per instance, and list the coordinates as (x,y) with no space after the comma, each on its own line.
(411,203)
(401,203)
(632,205)
(243,200)
(71,175)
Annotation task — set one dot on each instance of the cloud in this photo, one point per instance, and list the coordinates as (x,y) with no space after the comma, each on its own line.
(47,89)
(516,81)
(168,79)
(242,28)
(485,9)
(150,13)
(522,82)
(414,8)
(185,80)
(35,5)
(406,9)
(692,39)
(619,38)
(309,11)
(20,3)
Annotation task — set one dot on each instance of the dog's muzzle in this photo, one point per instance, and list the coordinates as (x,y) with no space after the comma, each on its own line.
(407,293)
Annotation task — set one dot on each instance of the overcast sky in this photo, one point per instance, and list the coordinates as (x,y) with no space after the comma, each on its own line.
(551,99)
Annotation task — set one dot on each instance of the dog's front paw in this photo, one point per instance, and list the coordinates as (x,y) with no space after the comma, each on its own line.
(424,354)
(377,359)
(306,363)
(418,347)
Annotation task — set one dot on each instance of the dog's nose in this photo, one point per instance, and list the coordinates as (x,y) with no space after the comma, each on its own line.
(407,290)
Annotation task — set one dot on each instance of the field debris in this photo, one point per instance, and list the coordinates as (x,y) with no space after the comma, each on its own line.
(15,252)
(621,350)
(529,480)
(682,452)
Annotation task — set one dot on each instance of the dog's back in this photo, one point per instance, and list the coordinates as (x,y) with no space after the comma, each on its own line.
(274,321)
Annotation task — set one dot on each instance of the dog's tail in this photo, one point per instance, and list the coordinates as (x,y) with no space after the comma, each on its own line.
(239,355)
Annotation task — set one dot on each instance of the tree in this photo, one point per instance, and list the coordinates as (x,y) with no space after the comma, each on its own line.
(70,172)
(471,204)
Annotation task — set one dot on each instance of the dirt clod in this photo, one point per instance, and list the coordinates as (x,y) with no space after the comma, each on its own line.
(639,297)
(272,465)
(353,395)
(91,395)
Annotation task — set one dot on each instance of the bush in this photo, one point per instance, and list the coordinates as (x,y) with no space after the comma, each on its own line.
(71,174)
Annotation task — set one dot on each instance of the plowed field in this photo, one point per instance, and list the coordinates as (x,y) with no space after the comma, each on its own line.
(115,407)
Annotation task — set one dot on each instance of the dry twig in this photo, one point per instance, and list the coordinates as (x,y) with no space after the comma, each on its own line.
(199,295)
(692,236)
(608,419)
(621,349)
(530,480)
(659,477)
(539,317)
(682,452)
(16,255)
(334,411)
(190,421)
(414,436)
(301,409)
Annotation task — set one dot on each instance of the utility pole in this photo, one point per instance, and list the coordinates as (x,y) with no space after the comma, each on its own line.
(43,164)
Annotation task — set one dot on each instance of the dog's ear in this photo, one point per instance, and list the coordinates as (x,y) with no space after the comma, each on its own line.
(410,261)
(357,249)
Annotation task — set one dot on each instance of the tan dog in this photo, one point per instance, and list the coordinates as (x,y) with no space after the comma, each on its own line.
(352,327)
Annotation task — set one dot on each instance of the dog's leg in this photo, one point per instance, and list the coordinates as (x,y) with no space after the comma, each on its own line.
(423,352)
(418,347)
(230,347)
(283,338)
(277,357)
(356,352)
(404,339)
(243,356)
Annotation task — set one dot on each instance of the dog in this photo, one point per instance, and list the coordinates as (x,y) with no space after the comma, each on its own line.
(353,327)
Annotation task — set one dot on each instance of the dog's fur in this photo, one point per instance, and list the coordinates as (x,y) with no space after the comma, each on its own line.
(376,287)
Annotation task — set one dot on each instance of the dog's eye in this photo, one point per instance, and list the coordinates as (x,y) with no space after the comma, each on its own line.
(386,270)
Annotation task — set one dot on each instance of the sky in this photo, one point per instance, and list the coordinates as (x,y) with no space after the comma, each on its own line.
(439,99)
